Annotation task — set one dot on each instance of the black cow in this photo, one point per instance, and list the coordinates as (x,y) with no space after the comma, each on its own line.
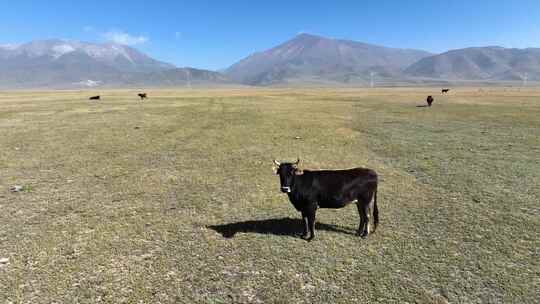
(444,91)
(142,95)
(309,190)
(429,100)
(95,98)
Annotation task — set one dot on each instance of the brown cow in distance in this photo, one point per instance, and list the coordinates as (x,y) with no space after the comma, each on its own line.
(444,91)
(142,95)
(97,97)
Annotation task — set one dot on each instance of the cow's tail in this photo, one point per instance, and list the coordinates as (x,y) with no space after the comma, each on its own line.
(375,211)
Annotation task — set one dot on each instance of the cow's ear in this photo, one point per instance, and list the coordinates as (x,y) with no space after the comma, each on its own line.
(298,172)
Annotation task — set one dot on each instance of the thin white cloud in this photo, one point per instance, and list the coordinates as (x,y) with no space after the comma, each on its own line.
(88,29)
(177,35)
(121,37)
(9,46)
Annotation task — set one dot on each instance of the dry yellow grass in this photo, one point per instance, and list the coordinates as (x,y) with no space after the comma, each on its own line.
(173,199)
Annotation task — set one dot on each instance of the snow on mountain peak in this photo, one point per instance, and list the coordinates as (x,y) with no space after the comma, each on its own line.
(62,49)
(105,51)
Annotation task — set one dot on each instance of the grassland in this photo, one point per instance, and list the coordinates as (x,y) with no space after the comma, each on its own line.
(174,200)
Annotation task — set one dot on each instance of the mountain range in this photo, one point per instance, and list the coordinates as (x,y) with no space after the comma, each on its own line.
(68,64)
(480,63)
(313,58)
(305,59)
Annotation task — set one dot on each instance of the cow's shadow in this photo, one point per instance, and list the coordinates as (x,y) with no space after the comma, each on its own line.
(422,106)
(281,227)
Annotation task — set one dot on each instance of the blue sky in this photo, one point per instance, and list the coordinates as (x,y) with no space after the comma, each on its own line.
(215,34)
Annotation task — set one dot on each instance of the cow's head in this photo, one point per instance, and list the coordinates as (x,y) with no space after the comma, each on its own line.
(287,172)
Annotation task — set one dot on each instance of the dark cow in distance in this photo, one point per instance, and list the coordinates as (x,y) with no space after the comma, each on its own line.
(97,97)
(142,95)
(444,91)
(309,190)
(429,100)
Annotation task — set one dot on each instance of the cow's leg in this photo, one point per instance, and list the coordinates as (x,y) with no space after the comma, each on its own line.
(305,226)
(363,211)
(366,225)
(363,217)
(311,222)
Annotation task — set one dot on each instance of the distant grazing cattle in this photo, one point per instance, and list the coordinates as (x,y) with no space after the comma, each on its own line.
(142,95)
(444,91)
(97,97)
(309,190)
(429,100)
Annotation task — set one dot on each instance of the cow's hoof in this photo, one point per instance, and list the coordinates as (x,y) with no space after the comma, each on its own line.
(362,234)
(307,238)
(304,237)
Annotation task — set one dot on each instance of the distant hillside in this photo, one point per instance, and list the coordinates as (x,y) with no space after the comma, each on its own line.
(480,63)
(178,77)
(314,58)
(60,63)
(57,53)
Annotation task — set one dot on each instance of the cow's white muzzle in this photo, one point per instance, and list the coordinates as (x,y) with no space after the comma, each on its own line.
(286,189)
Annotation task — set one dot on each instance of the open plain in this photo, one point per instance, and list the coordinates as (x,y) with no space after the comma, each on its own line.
(173,199)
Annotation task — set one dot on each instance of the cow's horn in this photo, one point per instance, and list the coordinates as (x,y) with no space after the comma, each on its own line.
(276,162)
(297,161)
